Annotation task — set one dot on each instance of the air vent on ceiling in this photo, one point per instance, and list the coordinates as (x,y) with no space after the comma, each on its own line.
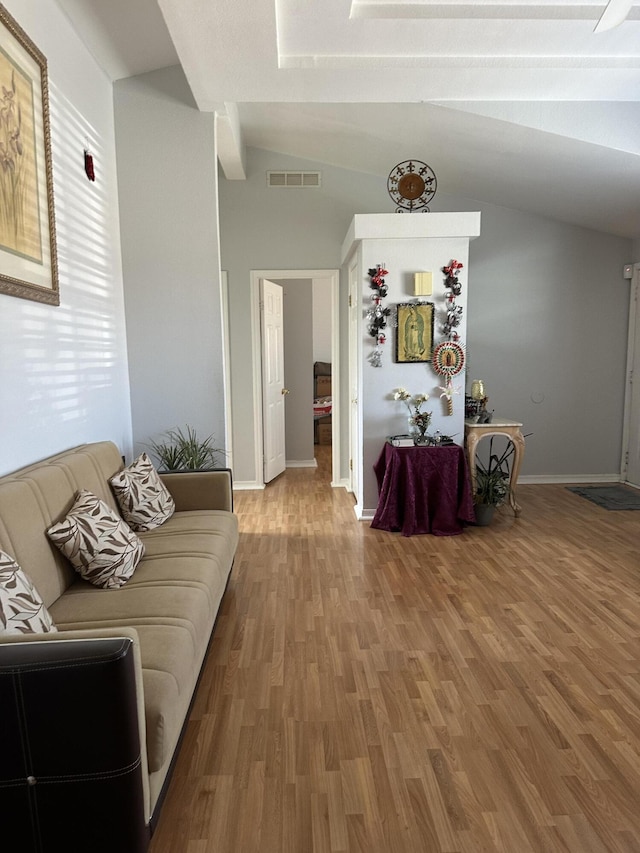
(293,179)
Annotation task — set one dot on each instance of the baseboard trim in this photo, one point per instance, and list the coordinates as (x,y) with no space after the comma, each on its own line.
(301,463)
(524,480)
(549,479)
(363,514)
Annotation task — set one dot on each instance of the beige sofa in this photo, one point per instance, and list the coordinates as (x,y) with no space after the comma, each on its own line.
(157,626)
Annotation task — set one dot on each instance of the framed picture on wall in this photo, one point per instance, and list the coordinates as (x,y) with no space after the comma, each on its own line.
(28,258)
(414,338)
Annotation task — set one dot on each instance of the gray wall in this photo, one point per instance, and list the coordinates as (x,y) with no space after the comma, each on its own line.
(322,321)
(547,313)
(262,228)
(298,368)
(547,331)
(167,179)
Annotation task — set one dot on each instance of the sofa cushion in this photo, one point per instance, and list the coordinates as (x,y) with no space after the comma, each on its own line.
(171,601)
(144,500)
(22,611)
(207,531)
(99,545)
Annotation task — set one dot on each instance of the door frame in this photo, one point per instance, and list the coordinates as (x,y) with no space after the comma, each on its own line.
(633,357)
(333,276)
(226,374)
(355,372)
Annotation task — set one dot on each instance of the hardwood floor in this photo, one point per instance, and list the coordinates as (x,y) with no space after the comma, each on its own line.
(371,692)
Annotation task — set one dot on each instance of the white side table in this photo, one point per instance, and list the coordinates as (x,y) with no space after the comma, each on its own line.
(511,430)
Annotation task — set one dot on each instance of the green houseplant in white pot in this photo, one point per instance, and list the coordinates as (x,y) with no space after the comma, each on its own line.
(183,451)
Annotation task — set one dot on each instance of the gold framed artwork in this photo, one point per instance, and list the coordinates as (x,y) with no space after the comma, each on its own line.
(28,258)
(414,339)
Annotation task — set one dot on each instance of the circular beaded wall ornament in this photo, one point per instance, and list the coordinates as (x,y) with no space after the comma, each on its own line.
(448,360)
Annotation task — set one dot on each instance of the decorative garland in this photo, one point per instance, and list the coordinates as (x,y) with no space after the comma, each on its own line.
(448,357)
(377,314)
(454,312)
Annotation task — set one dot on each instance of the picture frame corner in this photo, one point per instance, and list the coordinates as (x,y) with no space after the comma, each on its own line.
(28,241)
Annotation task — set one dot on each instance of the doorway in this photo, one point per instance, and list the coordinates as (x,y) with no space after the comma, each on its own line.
(331,277)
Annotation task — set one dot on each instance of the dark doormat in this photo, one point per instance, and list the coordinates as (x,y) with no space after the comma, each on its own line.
(609,497)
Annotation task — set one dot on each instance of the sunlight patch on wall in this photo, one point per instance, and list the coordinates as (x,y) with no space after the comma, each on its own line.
(63,370)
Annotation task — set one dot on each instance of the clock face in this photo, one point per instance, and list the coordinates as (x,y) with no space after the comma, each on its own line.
(411,184)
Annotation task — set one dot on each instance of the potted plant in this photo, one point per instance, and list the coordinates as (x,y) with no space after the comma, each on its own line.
(184,451)
(492,483)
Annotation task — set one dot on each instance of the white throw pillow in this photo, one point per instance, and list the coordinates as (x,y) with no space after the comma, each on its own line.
(144,500)
(22,611)
(99,545)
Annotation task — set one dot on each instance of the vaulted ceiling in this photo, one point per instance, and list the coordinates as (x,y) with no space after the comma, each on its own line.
(514,103)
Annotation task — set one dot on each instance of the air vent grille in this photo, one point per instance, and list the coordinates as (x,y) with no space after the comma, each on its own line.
(293,179)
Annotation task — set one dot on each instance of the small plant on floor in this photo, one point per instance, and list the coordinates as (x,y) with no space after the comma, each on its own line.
(492,480)
(184,451)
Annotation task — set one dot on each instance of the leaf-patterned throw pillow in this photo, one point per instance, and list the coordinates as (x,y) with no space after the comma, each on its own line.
(22,611)
(144,500)
(97,543)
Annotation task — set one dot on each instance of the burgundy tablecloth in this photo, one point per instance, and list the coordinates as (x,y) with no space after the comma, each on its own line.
(423,490)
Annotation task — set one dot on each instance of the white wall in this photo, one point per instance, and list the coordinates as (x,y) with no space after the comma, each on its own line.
(381,414)
(547,311)
(63,370)
(167,177)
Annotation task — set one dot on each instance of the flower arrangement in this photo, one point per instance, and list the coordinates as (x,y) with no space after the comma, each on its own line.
(418,419)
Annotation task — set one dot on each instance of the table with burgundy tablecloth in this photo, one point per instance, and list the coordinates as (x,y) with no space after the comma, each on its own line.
(423,490)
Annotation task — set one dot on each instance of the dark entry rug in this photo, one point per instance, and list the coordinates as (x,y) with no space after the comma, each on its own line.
(609,497)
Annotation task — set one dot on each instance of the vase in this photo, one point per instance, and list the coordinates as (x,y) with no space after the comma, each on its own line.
(484,514)
(477,389)
(419,433)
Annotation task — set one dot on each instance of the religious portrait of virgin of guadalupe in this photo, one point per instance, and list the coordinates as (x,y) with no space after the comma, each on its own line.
(415,332)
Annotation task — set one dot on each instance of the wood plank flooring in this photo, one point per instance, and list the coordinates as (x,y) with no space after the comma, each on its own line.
(371,692)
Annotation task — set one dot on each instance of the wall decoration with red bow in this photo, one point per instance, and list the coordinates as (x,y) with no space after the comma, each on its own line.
(453,312)
(377,314)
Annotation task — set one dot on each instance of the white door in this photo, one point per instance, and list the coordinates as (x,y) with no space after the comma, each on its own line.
(631,464)
(273,390)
